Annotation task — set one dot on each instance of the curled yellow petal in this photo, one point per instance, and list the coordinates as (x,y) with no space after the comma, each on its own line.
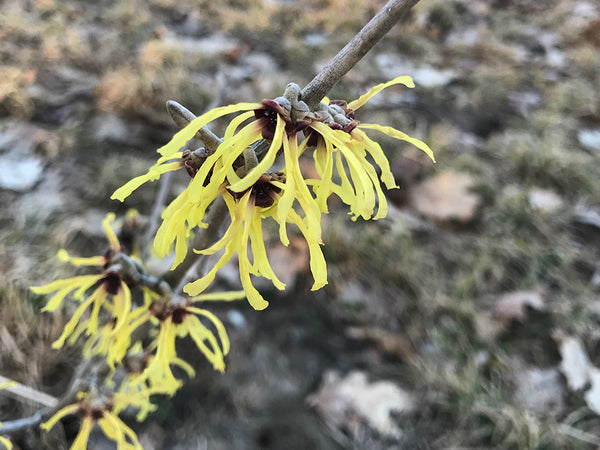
(219,296)
(63,256)
(405,80)
(80,442)
(153,174)
(397,134)
(188,132)
(6,443)
(70,409)
(110,234)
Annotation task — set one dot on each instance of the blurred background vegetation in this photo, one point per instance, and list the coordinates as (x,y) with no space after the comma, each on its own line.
(461,320)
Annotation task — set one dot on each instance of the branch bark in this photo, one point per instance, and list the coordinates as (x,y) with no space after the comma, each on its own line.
(312,95)
(354,50)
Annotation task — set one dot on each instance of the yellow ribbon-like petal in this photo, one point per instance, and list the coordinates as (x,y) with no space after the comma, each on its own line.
(397,134)
(405,80)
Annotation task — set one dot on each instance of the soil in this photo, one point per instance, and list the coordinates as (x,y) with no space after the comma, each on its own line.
(462,298)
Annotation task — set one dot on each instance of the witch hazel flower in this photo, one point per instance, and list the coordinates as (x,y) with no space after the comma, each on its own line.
(97,409)
(110,292)
(240,172)
(176,318)
(339,138)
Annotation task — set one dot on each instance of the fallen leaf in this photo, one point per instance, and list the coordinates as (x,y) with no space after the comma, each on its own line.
(446,197)
(513,305)
(487,328)
(288,262)
(575,362)
(387,341)
(342,400)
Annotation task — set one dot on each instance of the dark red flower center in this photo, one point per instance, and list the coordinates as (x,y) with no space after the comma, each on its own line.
(111,282)
(264,193)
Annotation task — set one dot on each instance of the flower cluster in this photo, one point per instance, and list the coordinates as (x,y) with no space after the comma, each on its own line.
(110,292)
(239,171)
(115,326)
(97,409)
(133,321)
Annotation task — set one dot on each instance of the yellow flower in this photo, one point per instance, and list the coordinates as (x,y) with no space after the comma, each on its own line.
(170,151)
(263,200)
(178,321)
(96,411)
(111,292)
(340,138)
(109,285)
(250,192)
(7,444)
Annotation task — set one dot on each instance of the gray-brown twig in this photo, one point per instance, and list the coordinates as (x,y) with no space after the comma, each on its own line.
(354,50)
(311,94)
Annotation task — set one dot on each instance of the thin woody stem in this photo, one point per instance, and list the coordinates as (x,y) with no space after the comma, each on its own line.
(358,47)
(182,116)
(312,94)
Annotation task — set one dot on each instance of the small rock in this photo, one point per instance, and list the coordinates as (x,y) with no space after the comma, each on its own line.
(587,216)
(596,278)
(540,390)
(544,201)
(237,319)
(524,102)
(20,169)
(45,199)
(110,127)
(592,397)
(19,172)
(575,362)
(590,139)
(427,76)
(315,39)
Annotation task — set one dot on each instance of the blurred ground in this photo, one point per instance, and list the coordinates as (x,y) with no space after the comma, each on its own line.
(469,318)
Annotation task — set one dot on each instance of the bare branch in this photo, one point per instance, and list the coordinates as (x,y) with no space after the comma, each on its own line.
(14,426)
(312,94)
(358,47)
(27,394)
(182,116)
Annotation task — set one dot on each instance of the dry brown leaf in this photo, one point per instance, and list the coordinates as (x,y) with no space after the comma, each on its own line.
(513,305)
(387,341)
(487,327)
(343,400)
(446,197)
(288,262)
